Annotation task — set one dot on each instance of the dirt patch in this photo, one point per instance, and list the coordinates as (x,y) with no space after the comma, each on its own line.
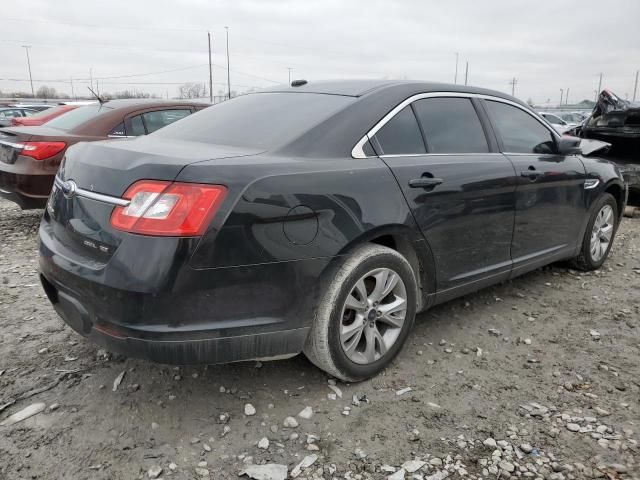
(546,366)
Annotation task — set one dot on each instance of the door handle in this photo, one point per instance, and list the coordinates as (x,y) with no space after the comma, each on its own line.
(532,174)
(425,182)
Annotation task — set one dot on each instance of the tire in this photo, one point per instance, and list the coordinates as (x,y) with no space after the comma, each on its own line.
(352,358)
(588,258)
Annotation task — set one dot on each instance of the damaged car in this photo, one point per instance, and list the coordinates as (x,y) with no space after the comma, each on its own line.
(616,121)
(316,218)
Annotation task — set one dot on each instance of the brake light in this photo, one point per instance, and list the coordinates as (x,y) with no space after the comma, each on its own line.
(42,150)
(168,209)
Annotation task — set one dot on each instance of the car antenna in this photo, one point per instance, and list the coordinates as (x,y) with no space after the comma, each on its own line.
(96,95)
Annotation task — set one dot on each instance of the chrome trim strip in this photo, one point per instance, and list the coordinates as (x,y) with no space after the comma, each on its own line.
(81,192)
(11,144)
(394,155)
(591,183)
(357,151)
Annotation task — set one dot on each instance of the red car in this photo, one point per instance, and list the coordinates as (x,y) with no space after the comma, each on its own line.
(42,117)
(30,156)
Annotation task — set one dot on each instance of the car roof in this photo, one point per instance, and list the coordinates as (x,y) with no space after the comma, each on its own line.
(359,88)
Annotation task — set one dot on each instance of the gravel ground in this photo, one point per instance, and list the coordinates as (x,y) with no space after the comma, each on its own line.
(534,378)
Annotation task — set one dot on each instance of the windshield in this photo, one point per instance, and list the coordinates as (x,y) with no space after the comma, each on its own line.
(263,120)
(75,118)
(50,111)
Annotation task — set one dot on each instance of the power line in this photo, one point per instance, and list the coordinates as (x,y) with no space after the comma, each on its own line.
(161,72)
(76,80)
(107,27)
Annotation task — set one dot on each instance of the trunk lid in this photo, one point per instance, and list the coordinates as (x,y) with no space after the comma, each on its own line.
(110,167)
(80,226)
(12,138)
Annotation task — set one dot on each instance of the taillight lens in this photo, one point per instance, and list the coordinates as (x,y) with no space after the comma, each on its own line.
(168,209)
(42,150)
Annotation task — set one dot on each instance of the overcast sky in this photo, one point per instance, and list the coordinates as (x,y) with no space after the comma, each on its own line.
(545,45)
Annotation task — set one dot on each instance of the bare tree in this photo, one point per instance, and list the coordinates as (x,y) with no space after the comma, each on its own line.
(46,92)
(191,90)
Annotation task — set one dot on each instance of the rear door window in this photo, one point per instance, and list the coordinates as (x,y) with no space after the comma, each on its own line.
(520,132)
(161,118)
(401,135)
(451,125)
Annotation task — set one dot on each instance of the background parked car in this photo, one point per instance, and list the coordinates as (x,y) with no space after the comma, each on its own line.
(30,156)
(10,113)
(39,118)
(34,106)
(573,118)
(560,125)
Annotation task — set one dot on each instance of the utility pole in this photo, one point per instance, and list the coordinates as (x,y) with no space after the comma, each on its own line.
(228,74)
(566,97)
(513,84)
(26,48)
(635,88)
(91,76)
(561,95)
(466,73)
(455,78)
(210,71)
(73,93)
(289,68)
(600,83)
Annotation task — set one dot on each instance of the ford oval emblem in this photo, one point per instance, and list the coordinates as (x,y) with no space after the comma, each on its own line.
(69,188)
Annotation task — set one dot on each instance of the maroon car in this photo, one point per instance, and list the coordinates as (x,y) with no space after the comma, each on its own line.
(30,156)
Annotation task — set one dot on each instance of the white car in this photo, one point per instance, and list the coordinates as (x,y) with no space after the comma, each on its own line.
(558,123)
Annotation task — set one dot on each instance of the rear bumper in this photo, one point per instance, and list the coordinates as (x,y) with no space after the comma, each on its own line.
(190,316)
(25,202)
(183,351)
(29,188)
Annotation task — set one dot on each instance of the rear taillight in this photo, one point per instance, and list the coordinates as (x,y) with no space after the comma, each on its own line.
(42,150)
(168,209)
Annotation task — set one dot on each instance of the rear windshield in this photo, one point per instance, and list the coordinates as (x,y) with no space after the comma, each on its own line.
(50,111)
(75,118)
(262,120)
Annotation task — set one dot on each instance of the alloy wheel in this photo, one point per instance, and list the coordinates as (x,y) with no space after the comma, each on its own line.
(601,233)
(373,316)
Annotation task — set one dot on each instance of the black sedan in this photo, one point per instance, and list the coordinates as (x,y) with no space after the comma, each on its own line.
(317,218)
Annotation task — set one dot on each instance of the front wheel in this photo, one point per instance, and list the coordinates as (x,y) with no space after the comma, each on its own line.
(599,235)
(364,315)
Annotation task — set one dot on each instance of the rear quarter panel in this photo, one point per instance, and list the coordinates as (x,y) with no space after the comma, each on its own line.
(282,209)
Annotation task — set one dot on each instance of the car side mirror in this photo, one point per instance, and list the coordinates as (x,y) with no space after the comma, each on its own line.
(568,145)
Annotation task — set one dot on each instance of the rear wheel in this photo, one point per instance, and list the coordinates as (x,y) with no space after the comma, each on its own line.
(364,315)
(599,235)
